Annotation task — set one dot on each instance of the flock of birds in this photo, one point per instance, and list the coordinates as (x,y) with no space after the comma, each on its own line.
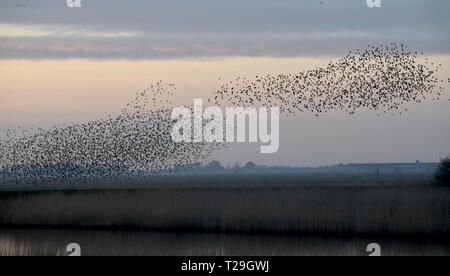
(138,141)
(382,78)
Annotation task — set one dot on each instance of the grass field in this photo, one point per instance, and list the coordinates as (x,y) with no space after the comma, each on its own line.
(347,204)
(327,207)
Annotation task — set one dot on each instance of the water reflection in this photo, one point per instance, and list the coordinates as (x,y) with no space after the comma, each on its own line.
(54,242)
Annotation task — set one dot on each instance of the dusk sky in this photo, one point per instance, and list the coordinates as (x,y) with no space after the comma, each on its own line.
(143,29)
(61,65)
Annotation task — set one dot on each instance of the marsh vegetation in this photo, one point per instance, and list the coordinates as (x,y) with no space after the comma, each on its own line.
(334,207)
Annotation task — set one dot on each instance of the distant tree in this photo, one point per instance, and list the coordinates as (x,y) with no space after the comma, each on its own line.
(215,165)
(442,174)
(236,167)
(250,166)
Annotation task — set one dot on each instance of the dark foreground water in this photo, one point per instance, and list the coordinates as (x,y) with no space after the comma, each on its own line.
(54,243)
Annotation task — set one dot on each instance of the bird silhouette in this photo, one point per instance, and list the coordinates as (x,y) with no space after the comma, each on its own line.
(137,141)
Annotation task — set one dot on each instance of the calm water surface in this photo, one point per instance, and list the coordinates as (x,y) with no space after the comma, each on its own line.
(54,243)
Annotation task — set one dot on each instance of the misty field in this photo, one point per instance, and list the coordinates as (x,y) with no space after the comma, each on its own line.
(344,204)
(325,206)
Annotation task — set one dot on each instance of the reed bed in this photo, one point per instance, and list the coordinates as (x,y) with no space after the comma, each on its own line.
(263,208)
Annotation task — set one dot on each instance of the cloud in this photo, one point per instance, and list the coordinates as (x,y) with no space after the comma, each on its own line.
(167,47)
(57,31)
(211,28)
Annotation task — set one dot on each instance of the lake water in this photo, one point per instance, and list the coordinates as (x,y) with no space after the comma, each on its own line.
(148,243)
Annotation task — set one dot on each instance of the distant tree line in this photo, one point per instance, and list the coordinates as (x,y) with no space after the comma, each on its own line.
(442,175)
